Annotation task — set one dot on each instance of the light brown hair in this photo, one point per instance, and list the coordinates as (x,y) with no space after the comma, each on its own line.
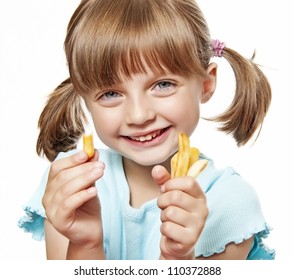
(110,39)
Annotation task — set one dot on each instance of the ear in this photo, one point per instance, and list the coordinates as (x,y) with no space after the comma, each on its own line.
(209,84)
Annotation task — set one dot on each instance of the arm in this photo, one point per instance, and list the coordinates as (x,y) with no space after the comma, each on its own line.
(58,247)
(56,243)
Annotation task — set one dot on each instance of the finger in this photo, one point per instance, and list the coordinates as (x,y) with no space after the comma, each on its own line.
(67,175)
(176,215)
(172,249)
(186,184)
(66,209)
(160,174)
(55,193)
(176,233)
(71,161)
(66,200)
(181,200)
(193,220)
(67,162)
(85,178)
(76,200)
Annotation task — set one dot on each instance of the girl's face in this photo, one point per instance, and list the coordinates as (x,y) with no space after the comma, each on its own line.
(141,117)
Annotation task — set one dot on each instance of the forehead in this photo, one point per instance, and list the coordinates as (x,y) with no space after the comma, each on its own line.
(145,74)
(101,52)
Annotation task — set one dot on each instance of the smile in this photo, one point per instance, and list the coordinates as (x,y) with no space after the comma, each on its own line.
(147,137)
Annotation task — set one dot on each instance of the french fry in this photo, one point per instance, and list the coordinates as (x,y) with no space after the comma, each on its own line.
(197,168)
(186,161)
(194,155)
(88,145)
(183,158)
(173,164)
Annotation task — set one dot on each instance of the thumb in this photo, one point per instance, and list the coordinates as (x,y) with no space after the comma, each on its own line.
(160,174)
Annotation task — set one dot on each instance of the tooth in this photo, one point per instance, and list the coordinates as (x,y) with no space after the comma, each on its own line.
(146,137)
(149,137)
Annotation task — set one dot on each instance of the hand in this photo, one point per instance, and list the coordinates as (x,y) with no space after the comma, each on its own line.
(71,202)
(183,216)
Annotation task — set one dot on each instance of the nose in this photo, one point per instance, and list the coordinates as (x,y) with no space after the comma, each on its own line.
(140,111)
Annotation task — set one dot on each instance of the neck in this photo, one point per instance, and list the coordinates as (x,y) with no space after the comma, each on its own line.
(141,184)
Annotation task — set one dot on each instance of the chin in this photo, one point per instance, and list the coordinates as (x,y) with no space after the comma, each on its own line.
(145,161)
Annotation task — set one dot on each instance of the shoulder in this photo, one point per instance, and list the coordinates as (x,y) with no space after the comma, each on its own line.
(235,213)
(225,184)
(229,195)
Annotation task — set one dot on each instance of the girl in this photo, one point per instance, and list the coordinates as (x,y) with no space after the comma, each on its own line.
(143,68)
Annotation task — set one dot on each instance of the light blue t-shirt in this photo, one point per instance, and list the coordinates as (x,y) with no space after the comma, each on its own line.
(130,233)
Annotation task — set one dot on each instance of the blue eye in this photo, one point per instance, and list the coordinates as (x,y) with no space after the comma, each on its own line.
(110,95)
(164,84)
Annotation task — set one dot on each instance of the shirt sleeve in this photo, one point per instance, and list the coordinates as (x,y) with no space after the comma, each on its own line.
(33,220)
(234,212)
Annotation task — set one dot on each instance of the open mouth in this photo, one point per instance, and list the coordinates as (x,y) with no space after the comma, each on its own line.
(147,137)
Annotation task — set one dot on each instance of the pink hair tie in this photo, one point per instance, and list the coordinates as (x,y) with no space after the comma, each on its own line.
(218,48)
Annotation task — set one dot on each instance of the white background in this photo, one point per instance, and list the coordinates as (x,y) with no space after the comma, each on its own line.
(32,63)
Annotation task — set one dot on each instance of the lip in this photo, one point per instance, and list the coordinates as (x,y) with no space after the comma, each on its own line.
(161,135)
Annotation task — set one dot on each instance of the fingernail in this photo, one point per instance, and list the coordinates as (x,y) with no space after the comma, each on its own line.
(99,164)
(98,168)
(82,156)
(162,188)
(92,190)
(95,172)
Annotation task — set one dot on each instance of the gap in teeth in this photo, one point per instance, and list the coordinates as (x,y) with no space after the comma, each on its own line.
(146,137)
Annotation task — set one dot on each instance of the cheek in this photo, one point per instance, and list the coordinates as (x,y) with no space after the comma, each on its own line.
(183,113)
(104,124)
(189,118)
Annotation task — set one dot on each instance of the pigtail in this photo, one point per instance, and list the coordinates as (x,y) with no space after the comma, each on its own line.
(61,122)
(251,102)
